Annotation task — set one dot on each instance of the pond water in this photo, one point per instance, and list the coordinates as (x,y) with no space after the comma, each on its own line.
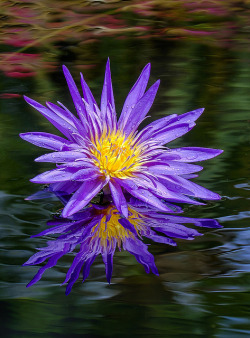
(202,57)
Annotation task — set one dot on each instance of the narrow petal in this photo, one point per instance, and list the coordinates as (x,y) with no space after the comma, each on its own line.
(61,157)
(67,187)
(141,109)
(75,95)
(160,239)
(160,190)
(83,196)
(88,96)
(127,225)
(143,195)
(74,277)
(172,168)
(67,116)
(61,228)
(108,261)
(192,154)
(197,190)
(62,125)
(170,127)
(134,96)
(171,133)
(107,92)
(177,231)
(155,126)
(140,251)
(188,117)
(51,262)
(86,267)
(46,140)
(86,174)
(52,176)
(118,198)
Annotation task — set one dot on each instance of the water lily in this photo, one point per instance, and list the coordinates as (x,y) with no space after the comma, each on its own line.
(100,152)
(100,229)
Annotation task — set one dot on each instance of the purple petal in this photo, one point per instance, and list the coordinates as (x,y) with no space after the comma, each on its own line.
(177,231)
(62,125)
(173,186)
(171,133)
(74,277)
(61,228)
(201,222)
(52,176)
(118,198)
(154,126)
(172,168)
(86,267)
(171,127)
(107,92)
(161,191)
(143,195)
(51,262)
(64,187)
(134,96)
(127,225)
(141,109)
(188,117)
(160,239)
(197,190)
(79,105)
(88,96)
(108,261)
(192,154)
(67,116)
(140,251)
(86,174)
(61,157)
(45,140)
(83,196)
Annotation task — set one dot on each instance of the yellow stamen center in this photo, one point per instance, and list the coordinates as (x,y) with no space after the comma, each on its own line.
(109,228)
(116,155)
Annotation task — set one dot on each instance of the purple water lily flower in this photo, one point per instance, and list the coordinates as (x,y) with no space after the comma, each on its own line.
(99,152)
(100,229)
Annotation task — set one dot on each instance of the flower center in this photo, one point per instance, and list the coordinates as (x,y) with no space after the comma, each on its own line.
(109,229)
(115,155)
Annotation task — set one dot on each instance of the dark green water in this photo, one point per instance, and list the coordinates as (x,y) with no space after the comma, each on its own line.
(203,287)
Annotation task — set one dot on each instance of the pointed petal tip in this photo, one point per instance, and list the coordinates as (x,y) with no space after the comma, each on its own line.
(32,180)
(125,212)
(67,292)
(200,110)
(147,67)
(22,135)
(67,213)
(108,63)
(157,83)
(26,98)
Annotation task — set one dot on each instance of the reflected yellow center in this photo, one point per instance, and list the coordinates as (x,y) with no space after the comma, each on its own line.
(109,228)
(116,155)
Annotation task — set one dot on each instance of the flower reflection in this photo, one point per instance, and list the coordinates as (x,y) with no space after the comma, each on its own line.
(100,229)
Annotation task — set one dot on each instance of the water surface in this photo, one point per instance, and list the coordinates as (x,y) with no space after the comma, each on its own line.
(203,287)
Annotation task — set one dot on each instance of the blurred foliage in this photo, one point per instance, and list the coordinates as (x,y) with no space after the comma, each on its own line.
(49,27)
